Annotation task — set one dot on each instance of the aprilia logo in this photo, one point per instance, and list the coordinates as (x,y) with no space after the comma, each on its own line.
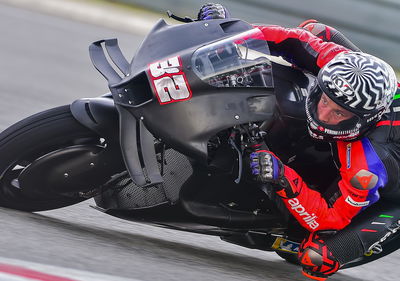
(310,220)
(169,81)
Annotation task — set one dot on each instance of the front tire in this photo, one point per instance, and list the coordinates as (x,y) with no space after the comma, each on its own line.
(26,141)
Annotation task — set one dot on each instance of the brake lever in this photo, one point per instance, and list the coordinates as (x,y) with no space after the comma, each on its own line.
(240,160)
(185,19)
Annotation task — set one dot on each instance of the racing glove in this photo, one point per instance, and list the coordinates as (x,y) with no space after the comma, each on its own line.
(267,168)
(213,11)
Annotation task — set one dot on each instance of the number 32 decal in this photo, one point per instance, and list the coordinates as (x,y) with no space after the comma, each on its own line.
(169,81)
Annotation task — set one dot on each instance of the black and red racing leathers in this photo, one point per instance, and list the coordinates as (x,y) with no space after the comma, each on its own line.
(368,167)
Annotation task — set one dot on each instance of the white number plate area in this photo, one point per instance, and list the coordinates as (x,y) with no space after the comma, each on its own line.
(169,81)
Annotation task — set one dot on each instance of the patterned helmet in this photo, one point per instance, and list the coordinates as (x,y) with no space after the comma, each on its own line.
(358,82)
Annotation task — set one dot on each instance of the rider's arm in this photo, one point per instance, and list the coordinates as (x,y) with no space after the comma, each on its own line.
(300,47)
(362,174)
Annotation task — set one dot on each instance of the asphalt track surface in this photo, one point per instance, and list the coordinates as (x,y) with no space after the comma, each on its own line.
(44,63)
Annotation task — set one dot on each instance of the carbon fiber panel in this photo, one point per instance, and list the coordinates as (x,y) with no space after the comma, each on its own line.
(122,193)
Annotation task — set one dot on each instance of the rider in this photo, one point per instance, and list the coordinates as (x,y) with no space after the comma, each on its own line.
(353,108)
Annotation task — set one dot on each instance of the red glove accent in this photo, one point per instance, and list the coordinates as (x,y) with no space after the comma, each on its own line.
(311,46)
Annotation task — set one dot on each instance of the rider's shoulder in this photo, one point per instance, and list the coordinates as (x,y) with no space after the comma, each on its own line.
(387,130)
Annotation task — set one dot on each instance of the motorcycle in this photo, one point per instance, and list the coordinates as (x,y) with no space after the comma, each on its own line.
(168,145)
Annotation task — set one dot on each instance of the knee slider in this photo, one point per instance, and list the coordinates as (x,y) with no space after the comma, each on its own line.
(310,258)
(316,259)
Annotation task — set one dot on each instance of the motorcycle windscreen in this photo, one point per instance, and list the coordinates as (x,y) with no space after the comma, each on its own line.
(238,61)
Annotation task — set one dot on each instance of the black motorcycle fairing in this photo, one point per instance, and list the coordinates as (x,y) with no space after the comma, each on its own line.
(187,125)
(79,168)
(138,150)
(98,114)
(184,125)
(165,40)
(101,115)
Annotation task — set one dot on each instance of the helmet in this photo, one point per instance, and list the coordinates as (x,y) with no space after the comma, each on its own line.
(358,82)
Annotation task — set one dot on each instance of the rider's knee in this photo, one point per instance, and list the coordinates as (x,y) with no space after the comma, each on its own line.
(316,259)
(310,257)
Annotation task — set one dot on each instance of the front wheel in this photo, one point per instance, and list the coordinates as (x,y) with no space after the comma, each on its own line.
(28,140)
